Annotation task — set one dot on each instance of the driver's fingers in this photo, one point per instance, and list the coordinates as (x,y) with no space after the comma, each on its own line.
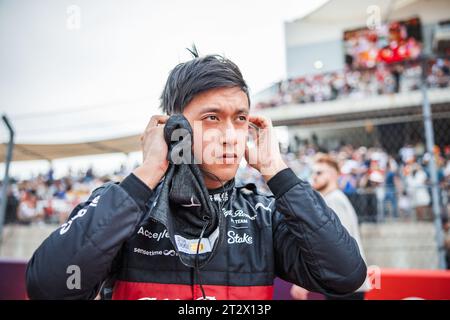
(157,119)
(154,122)
(260,121)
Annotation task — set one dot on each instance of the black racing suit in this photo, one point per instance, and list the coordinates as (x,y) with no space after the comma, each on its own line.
(292,235)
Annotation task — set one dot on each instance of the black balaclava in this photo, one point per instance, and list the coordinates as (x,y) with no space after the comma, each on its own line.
(184,206)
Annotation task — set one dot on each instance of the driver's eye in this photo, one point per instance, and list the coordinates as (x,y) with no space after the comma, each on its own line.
(214,118)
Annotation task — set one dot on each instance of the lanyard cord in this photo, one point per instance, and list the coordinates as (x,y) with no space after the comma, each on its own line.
(197,271)
(205,225)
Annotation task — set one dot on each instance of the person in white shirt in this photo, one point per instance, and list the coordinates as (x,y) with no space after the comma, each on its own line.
(28,210)
(325,177)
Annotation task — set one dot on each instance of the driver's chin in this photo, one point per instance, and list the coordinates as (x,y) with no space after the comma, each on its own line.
(224,172)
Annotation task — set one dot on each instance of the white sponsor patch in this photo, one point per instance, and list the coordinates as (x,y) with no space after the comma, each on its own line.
(189,246)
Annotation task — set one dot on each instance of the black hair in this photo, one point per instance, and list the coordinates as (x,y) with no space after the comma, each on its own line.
(198,75)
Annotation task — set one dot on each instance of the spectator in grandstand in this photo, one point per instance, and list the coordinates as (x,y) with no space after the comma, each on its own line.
(396,74)
(447,171)
(439,74)
(50,175)
(407,153)
(379,80)
(12,204)
(28,211)
(404,205)
(89,175)
(390,184)
(60,189)
(440,173)
(416,184)
(325,180)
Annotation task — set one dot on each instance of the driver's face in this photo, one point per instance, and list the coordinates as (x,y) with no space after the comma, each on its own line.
(219,118)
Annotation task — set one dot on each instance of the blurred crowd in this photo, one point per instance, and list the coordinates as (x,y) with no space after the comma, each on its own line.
(379,185)
(357,83)
(44,199)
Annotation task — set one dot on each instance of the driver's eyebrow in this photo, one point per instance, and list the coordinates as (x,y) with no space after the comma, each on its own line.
(220,110)
(211,109)
(241,110)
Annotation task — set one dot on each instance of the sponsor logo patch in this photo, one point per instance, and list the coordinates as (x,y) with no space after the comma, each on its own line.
(189,246)
(154,235)
(168,253)
(235,238)
(238,218)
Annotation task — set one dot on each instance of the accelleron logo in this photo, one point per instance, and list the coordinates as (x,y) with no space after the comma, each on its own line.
(154,235)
